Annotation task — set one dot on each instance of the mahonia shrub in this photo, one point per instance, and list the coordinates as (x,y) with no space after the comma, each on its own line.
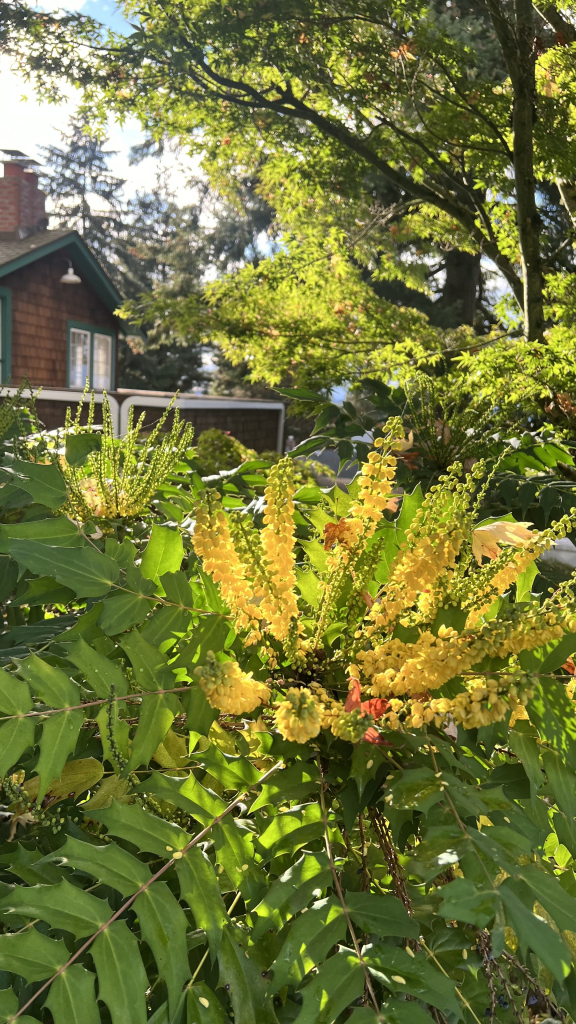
(283,754)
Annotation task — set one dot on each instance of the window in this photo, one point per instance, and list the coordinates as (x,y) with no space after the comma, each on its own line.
(90,357)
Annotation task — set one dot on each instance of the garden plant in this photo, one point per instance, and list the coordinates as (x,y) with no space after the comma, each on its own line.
(272,753)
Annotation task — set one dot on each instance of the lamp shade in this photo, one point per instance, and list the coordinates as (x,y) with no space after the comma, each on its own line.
(70,277)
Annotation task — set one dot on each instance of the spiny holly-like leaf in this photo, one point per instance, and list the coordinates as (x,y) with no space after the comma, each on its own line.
(290,830)
(415,976)
(163,926)
(199,887)
(381,915)
(234,849)
(59,737)
(62,906)
(156,716)
(187,793)
(50,683)
(32,955)
(122,980)
(111,864)
(132,823)
(291,892)
(163,553)
(99,672)
(72,999)
(44,483)
(15,737)
(340,980)
(150,667)
(76,778)
(245,978)
(123,611)
(203,1006)
(535,933)
(309,938)
(9,1006)
(80,446)
(15,696)
(86,571)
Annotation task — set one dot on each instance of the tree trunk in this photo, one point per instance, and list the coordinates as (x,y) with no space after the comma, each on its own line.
(460,290)
(528,218)
(518,49)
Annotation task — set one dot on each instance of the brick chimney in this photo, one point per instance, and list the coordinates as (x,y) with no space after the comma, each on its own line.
(22,204)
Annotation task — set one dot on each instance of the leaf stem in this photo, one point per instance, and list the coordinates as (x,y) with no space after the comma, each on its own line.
(146,885)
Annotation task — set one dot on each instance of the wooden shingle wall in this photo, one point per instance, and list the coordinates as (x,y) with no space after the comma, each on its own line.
(41,309)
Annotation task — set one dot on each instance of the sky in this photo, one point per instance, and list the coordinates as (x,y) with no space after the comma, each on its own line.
(27,123)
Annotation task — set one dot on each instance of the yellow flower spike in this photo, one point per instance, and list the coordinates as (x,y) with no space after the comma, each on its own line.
(212,541)
(228,688)
(277,580)
(299,717)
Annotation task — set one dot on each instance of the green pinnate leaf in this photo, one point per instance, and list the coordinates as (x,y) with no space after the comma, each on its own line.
(309,939)
(15,696)
(132,823)
(80,446)
(291,892)
(163,926)
(203,1006)
(86,571)
(157,712)
(380,915)
(534,932)
(244,975)
(150,667)
(200,889)
(72,997)
(44,483)
(111,864)
(339,982)
(163,553)
(59,737)
(187,793)
(49,683)
(403,974)
(32,955)
(291,783)
(63,906)
(122,611)
(122,980)
(15,737)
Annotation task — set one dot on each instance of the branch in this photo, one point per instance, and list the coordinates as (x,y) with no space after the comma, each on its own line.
(146,885)
(558,22)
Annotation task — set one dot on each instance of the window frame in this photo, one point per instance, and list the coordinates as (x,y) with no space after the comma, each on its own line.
(92,329)
(5,334)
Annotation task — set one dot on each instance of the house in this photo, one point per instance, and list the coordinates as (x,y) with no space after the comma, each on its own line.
(57,323)
(58,328)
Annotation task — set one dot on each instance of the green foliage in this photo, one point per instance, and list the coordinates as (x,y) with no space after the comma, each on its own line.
(179,869)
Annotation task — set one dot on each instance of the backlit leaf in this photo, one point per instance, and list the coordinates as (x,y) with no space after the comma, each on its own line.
(59,737)
(199,887)
(163,553)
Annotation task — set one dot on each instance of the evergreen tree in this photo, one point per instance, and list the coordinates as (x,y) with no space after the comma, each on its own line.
(84,192)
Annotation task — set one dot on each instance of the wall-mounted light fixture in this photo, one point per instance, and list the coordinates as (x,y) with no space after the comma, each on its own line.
(70,277)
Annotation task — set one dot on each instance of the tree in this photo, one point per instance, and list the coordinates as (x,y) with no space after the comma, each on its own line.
(84,193)
(375,85)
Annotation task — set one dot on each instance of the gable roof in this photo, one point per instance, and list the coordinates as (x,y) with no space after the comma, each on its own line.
(17,253)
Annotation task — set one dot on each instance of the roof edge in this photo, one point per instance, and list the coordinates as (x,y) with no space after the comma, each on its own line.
(85,260)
